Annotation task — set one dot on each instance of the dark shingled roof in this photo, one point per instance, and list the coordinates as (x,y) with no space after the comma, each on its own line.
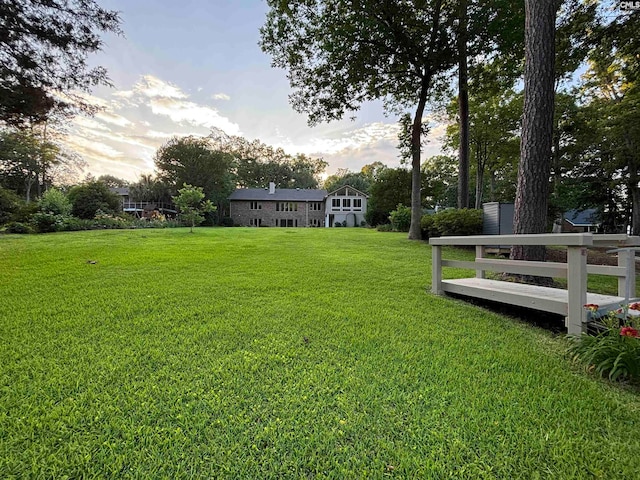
(583,218)
(281,195)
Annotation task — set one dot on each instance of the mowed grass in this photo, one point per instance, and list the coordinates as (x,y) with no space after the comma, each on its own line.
(281,353)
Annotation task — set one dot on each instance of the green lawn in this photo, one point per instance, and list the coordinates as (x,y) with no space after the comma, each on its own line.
(281,353)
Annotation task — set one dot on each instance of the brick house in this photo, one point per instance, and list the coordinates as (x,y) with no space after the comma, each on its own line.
(296,207)
(282,207)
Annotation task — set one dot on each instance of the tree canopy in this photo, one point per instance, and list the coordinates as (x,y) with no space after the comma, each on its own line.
(43,48)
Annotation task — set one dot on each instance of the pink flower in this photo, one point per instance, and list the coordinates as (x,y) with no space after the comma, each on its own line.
(629,332)
(592,307)
(634,306)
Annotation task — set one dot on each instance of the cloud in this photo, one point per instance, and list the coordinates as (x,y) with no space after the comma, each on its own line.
(192,113)
(220,96)
(133,123)
(153,87)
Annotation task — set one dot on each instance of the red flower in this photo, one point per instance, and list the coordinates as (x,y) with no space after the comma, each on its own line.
(634,306)
(592,307)
(629,332)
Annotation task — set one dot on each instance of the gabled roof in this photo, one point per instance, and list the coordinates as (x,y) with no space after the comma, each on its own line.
(123,191)
(335,192)
(280,195)
(582,218)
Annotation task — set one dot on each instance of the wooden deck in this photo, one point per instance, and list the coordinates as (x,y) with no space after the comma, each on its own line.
(546,299)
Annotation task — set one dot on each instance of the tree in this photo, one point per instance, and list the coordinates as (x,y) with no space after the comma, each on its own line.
(44,48)
(55,202)
(112,181)
(340,54)
(193,161)
(343,177)
(494,142)
(89,198)
(19,161)
(149,189)
(190,201)
(441,181)
(532,194)
(463,107)
(257,164)
(391,188)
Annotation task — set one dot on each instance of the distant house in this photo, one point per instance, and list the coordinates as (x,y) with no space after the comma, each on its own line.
(580,221)
(142,209)
(282,207)
(296,207)
(347,206)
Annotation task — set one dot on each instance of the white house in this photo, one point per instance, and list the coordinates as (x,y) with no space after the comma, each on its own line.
(347,206)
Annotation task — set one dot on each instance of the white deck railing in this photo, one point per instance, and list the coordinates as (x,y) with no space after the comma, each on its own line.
(568,302)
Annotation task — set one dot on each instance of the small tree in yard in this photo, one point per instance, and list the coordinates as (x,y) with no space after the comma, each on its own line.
(192,208)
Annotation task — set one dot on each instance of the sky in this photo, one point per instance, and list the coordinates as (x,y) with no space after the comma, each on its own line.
(184,67)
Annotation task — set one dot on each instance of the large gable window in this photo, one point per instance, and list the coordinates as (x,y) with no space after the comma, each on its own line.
(335,204)
(357,204)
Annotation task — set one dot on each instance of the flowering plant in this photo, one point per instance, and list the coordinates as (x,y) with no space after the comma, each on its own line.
(614,350)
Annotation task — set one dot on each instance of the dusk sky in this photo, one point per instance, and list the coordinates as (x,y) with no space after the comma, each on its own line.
(185,67)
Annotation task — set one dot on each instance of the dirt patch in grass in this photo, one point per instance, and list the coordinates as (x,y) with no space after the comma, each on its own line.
(595,256)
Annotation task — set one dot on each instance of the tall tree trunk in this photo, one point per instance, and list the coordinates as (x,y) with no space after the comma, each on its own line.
(463,109)
(416,132)
(537,126)
(415,232)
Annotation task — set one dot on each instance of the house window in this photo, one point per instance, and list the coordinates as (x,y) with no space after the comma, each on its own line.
(335,204)
(255,222)
(286,207)
(357,204)
(287,222)
(256,206)
(346,204)
(315,206)
(315,222)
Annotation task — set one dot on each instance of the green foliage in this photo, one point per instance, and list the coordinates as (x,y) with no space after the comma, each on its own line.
(384,227)
(44,49)
(452,222)
(46,222)
(615,351)
(19,227)
(192,161)
(9,205)
(343,176)
(391,187)
(55,202)
(190,201)
(400,218)
(227,222)
(89,198)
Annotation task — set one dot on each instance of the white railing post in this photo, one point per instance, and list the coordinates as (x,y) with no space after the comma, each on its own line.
(627,285)
(436,270)
(480,254)
(577,289)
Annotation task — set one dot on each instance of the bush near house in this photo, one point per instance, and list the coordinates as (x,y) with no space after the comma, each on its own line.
(401,218)
(452,222)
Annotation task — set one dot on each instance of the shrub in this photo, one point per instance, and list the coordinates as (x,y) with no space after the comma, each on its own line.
(452,222)
(337,224)
(19,227)
(227,222)
(9,205)
(46,222)
(426,226)
(90,197)
(385,227)
(375,217)
(615,351)
(55,202)
(401,218)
